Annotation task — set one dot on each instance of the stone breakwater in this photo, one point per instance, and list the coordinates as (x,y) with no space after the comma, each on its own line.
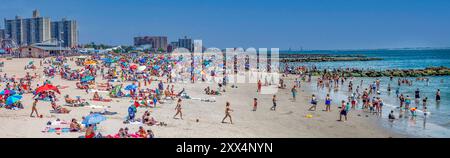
(431,71)
(286,58)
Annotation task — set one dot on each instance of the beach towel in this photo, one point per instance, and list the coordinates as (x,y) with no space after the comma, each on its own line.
(54,130)
(136,123)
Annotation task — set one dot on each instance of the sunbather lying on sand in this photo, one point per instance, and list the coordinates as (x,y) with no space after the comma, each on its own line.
(70,100)
(59,109)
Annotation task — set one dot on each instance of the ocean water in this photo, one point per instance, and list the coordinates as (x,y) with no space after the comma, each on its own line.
(436,124)
(392,59)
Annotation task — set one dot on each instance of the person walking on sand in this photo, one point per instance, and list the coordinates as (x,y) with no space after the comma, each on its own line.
(259,86)
(343,111)
(274,101)
(255,104)
(227,113)
(34,109)
(294,92)
(313,103)
(327,103)
(178,109)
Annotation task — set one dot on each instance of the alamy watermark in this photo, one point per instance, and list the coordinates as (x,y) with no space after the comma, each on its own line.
(231,66)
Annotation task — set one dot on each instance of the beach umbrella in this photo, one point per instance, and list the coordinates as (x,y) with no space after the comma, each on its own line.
(47,87)
(130,87)
(141,68)
(30,63)
(93,119)
(87,78)
(90,62)
(13,99)
(133,67)
(7,92)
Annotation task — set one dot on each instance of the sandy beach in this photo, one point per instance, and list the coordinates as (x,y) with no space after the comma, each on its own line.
(288,121)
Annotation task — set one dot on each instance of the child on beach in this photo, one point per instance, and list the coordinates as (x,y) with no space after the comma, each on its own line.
(294,92)
(313,103)
(178,109)
(327,103)
(274,101)
(391,116)
(255,103)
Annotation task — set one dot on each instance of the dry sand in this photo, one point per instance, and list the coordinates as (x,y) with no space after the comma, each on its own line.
(288,121)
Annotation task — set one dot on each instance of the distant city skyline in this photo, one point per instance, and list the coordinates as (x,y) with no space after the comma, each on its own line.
(284,24)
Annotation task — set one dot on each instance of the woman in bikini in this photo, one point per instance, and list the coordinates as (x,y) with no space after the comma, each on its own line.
(227,113)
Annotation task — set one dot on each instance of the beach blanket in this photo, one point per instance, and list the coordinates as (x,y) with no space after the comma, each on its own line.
(58,123)
(55,130)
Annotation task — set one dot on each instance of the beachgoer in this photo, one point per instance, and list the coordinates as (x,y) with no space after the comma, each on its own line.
(391,116)
(294,92)
(90,133)
(328,103)
(178,109)
(74,126)
(274,101)
(313,103)
(255,103)
(227,113)
(438,95)
(343,111)
(34,109)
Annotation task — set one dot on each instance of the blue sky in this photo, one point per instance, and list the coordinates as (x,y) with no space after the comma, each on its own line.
(311,24)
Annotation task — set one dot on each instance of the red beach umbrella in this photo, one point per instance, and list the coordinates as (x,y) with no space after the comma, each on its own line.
(47,87)
(133,66)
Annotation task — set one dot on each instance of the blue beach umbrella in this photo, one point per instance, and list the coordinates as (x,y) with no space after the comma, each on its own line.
(130,87)
(87,78)
(93,119)
(13,99)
